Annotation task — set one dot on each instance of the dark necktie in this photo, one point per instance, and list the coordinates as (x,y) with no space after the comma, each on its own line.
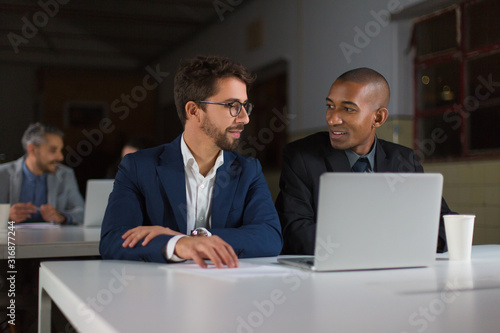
(361,165)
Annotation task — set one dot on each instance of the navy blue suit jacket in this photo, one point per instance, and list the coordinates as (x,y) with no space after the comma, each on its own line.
(150,189)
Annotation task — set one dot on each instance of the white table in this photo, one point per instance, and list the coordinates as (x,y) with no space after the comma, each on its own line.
(123,296)
(63,241)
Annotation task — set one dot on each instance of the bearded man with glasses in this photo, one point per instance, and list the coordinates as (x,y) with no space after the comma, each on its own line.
(195,198)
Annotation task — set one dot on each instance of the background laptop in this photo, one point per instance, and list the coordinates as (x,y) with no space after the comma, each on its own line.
(375,221)
(96,200)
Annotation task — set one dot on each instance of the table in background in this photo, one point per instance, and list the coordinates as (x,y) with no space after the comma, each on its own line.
(124,296)
(43,242)
(63,241)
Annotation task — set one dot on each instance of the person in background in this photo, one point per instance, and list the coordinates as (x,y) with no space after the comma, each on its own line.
(356,106)
(37,186)
(131,146)
(195,198)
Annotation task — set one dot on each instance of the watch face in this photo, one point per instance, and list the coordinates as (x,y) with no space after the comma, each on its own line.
(200,232)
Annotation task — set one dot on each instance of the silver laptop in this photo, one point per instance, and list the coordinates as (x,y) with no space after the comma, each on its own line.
(375,221)
(96,200)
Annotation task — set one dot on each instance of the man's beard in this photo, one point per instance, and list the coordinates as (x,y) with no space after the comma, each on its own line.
(45,167)
(221,138)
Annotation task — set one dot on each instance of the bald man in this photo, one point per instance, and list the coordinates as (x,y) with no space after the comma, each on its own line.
(356,106)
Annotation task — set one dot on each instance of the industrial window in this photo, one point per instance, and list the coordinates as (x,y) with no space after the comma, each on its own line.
(457,81)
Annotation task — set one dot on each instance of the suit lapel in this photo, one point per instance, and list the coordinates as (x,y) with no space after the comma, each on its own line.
(226,182)
(336,160)
(52,189)
(17,182)
(171,173)
(381,162)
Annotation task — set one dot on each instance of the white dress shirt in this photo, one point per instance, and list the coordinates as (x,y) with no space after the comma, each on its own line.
(199,192)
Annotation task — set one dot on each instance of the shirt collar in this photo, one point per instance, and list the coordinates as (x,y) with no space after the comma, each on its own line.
(353,157)
(31,176)
(189,160)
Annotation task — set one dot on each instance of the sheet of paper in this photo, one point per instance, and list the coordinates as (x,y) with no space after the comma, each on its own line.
(244,271)
(37,225)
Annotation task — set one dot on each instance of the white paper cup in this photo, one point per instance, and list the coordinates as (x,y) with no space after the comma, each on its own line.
(4,216)
(459,232)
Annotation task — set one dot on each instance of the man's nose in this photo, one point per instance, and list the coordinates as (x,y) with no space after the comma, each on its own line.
(243,116)
(333,118)
(59,156)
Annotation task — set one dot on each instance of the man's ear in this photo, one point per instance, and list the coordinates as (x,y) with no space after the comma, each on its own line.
(192,110)
(30,149)
(380,117)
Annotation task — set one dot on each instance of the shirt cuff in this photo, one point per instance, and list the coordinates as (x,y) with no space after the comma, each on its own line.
(169,249)
(68,219)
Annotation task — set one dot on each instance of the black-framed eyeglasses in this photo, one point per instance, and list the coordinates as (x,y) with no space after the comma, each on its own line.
(234,107)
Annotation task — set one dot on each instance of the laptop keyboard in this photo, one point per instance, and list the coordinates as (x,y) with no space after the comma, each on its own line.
(307,261)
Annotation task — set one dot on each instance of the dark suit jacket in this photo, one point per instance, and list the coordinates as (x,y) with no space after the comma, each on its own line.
(150,189)
(304,161)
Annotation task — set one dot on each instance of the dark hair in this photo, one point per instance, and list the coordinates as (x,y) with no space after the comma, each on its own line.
(362,75)
(35,134)
(366,75)
(139,143)
(196,79)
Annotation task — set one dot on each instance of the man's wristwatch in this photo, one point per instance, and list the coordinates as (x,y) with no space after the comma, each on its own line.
(201,232)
